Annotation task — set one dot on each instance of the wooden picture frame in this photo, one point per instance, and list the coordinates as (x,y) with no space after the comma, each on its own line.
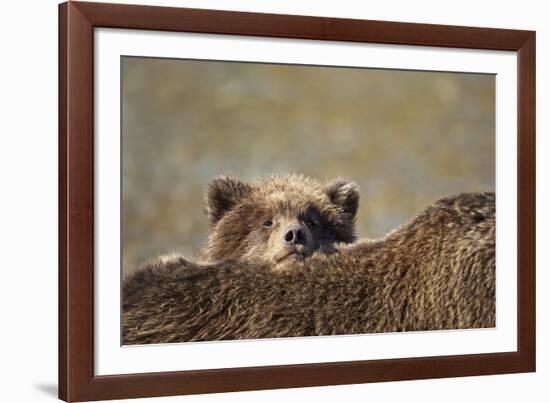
(77,381)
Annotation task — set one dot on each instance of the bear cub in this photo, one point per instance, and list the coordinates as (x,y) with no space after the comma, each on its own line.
(279,219)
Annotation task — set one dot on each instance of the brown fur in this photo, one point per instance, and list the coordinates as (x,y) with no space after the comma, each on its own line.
(259,221)
(436,272)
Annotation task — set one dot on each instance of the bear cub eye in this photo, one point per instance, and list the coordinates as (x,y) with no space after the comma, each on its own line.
(310,223)
(268,223)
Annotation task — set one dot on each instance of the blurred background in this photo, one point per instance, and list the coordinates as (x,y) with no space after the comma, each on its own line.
(406,138)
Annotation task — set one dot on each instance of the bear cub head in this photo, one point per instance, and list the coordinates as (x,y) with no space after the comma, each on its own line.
(279,219)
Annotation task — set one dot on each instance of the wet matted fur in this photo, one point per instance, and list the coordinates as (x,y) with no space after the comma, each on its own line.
(436,272)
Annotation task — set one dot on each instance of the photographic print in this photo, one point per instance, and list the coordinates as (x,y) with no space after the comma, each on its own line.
(275,200)
(254,201)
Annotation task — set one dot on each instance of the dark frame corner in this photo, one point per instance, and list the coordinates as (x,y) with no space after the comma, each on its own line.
(77,21)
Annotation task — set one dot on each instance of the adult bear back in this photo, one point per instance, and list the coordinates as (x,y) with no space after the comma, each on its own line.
(436,272)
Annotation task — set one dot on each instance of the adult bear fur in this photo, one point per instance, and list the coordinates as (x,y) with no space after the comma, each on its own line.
(436,272)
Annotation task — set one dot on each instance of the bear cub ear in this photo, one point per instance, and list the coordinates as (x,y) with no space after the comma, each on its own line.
(222,195)
(344,194)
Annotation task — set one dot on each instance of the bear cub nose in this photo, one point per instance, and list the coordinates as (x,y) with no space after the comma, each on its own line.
(294,235)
